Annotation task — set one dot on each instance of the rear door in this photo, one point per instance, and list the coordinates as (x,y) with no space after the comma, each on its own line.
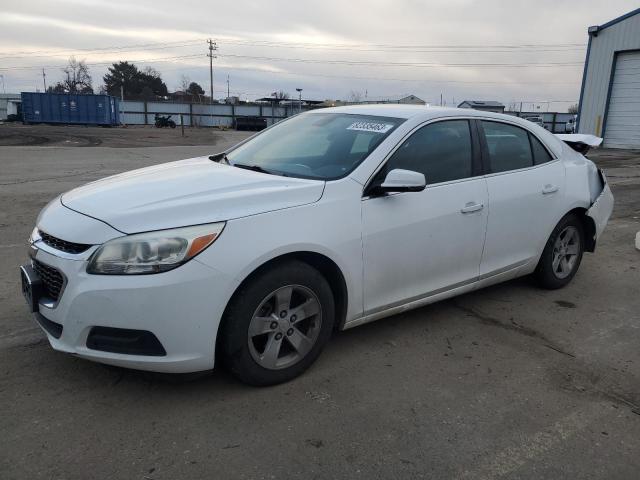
(526,187)
(421,243)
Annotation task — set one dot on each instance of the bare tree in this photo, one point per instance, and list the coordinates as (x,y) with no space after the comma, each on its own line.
(280,95)
(184,83)
(573,108)
(355,96)
(77,78)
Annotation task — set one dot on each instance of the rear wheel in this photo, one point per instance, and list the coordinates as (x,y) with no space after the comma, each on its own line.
(277,324)
(562,254)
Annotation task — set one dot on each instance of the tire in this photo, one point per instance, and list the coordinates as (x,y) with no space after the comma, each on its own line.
(551,273)
(255,326)
(172,124)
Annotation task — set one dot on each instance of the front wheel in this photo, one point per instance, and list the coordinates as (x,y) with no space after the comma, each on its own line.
(562,254)
(277,324)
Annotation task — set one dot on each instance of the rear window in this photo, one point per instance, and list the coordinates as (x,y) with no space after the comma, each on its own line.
(509,147)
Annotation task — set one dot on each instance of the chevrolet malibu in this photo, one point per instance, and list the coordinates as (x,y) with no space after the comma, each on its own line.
(328,220)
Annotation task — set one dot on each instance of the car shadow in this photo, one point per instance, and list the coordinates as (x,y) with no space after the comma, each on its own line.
(341,348)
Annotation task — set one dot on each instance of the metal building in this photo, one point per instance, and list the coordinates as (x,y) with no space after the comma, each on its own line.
(484,105)
(9,104)
(610,94)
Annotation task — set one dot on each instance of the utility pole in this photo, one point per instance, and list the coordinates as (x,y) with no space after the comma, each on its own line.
(228,93)
(44,80)
(212,47)
(122,92)
(299,90)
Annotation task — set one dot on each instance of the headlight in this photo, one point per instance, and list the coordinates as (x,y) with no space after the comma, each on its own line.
(152,252)
(35,235)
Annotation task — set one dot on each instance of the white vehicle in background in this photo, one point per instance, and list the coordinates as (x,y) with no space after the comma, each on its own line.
(327,220)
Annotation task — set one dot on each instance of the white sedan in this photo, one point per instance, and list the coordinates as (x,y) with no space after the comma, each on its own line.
(330,219)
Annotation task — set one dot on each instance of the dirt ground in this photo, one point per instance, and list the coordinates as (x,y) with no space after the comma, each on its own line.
(17,134)
(509,382)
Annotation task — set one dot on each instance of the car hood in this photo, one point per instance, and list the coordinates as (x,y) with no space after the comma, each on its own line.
(187,192)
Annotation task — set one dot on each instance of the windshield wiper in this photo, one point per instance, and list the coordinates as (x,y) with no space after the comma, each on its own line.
(258,168)
(219,157)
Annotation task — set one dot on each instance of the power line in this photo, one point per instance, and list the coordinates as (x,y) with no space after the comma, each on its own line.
(387,45)
(348,77)
(96,52)
(413,49)
(423,80)
(337,62)
(402,64)
(515,48)
(114,48)
(96,64)
(313,46)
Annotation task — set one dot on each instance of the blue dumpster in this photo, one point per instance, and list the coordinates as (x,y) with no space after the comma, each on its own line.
(70,108)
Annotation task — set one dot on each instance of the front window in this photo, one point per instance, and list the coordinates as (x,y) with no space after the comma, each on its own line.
(441,151)
(325,146)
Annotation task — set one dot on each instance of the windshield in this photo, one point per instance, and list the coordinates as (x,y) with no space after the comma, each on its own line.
(321,145)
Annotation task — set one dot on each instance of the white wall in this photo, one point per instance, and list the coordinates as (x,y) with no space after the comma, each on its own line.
(4,100)
(197,114)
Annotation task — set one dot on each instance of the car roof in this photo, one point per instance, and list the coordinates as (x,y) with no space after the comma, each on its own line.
(421,112)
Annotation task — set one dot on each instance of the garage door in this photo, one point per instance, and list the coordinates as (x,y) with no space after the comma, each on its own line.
(623,117)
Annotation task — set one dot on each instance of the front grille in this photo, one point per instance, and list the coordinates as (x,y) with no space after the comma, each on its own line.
(51,278)
(63,245)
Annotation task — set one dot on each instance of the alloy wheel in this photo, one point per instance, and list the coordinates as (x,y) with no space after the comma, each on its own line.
(566,250)
(284,327)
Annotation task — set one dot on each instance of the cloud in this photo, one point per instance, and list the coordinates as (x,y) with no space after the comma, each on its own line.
(319,32)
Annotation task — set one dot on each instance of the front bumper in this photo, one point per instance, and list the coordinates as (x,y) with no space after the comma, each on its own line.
(182,308)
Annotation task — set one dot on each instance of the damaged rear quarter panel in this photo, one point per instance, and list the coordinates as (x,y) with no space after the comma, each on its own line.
(587,187)
(600,211)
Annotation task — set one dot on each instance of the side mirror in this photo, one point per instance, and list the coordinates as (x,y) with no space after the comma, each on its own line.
(399,180)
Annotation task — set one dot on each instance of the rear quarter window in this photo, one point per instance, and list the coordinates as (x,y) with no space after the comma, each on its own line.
(540,153)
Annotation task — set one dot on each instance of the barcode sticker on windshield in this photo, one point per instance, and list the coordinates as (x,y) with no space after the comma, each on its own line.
(371,127)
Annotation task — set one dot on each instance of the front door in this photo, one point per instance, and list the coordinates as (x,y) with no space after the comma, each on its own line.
(420,243)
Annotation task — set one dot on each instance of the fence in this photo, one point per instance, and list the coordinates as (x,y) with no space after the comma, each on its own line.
(201,115)
(555,122)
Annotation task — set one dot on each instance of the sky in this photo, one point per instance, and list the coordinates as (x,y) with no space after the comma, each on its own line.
(507,50)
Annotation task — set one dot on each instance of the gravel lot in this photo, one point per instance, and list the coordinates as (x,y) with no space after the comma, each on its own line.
(507,382)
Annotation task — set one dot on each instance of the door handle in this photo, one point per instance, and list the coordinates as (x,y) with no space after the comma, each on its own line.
(548,188)
(472,207)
